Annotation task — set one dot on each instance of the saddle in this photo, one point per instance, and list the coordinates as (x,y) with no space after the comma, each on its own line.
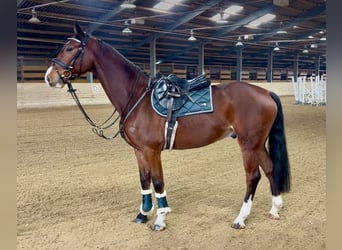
(172,93)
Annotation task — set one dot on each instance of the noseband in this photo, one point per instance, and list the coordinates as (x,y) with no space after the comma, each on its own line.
(67,75)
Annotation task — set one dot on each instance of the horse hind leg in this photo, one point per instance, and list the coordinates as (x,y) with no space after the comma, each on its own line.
(252,179)
(267,166)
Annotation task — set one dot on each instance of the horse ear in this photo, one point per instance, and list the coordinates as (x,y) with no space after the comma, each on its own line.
(79,34)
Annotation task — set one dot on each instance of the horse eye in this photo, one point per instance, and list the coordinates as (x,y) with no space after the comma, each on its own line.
(68,49)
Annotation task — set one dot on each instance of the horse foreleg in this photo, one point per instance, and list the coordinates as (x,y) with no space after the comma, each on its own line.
(146,206)
(160,193)
(150,169)
(162,211)
(252,179)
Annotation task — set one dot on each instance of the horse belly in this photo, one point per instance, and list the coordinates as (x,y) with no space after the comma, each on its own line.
(194,134)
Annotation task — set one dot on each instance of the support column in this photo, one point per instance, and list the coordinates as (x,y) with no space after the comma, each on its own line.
(153,58)
(201,59)
(295,66)
(90,77)
(238,63)
(270,66)
(318,65)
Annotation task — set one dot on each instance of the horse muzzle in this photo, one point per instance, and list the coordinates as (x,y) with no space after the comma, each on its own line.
(53,79)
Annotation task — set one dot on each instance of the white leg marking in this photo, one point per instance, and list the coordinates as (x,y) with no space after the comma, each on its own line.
(158,195)
(161,216)
(244,212)
(148,191)
(159,223)
(277,203)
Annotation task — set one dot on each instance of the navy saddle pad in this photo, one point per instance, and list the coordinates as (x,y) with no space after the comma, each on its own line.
(202,103)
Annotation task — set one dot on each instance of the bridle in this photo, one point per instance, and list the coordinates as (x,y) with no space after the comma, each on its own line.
(67,76)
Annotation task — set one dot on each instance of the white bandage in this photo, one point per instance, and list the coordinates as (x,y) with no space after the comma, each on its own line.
(158,195)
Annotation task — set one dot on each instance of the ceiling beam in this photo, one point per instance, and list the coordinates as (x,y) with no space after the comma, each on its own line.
(103,19)
(302,18)
(186,18)
(238,24)
(19,3)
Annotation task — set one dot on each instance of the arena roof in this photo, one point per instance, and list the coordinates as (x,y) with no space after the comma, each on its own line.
(304,22)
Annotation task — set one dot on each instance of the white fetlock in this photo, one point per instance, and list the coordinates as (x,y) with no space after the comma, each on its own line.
(159,224)
(239,222)
(277,204)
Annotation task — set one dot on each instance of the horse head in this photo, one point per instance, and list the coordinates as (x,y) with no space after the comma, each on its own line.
(73,60)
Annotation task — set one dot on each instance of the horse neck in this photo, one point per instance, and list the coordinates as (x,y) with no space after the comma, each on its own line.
(121,80)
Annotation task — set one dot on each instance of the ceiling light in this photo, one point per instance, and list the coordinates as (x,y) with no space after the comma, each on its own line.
(192,38)
(163,6)
(224,14)
(219,16)
(239,43)
(281,32)
(127,30)
(128,5)
(233,9)
(166,4)
(248,37)
(221,20)
(281,29)
(276,48)
(323,38)
(34,18)
(263,19)
(305,50)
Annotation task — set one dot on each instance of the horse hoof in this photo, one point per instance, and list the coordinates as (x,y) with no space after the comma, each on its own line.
(238,226)
(140,219)
(274,216)
(158,228)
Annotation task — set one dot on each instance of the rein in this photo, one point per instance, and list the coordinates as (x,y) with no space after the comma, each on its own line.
(99,129)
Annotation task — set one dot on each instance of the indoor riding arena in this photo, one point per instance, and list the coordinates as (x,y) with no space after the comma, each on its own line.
(78,190)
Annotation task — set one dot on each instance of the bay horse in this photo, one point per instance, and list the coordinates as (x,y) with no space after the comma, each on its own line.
(251,114)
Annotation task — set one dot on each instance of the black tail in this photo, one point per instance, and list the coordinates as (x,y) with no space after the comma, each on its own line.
(278,150)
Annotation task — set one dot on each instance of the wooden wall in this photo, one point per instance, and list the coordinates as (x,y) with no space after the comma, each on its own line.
(39,95)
